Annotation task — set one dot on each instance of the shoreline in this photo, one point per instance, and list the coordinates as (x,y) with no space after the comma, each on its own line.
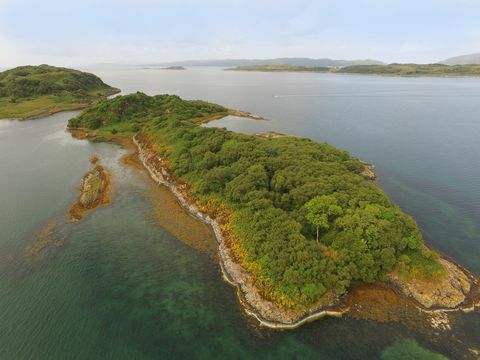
(230,112)
(49,112)
(232,272)
(451,76)
(264,311)
(252,301)
(45,113)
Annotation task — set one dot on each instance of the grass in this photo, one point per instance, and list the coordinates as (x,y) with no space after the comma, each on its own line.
(31,108)
(121,128)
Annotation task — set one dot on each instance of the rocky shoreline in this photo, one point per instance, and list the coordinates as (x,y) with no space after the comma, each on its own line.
(94,191)
(266,312)
(458,290)
(269,314)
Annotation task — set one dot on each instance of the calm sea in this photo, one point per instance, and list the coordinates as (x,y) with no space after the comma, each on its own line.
(123,284)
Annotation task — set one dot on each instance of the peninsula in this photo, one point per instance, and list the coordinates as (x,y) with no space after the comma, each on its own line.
(413,70)
(297,222)
(33,91)
(404,70)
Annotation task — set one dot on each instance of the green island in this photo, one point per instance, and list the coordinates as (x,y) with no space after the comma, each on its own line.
(296,220)
(406,70)
(280,68)
(413,70)
(33,91)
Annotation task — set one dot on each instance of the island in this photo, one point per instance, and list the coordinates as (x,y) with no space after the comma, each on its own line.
(174,68)
(413,70)
(298,223)
(280,68)
(404,70)
(33,91)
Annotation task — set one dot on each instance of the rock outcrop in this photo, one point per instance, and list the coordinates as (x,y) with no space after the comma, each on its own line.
(93,192)
(446,293)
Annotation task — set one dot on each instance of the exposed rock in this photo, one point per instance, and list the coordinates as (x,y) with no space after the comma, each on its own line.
(440,321)
(446,293)
(369,171)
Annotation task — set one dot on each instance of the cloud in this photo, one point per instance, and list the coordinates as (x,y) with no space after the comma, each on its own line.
(78,32)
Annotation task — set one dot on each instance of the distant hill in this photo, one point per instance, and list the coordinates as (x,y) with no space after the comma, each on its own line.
(279,61)
(463,60)
(280,68)
(414,70)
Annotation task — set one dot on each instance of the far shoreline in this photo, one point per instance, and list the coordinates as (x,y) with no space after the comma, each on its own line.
(239,280)
(66,107)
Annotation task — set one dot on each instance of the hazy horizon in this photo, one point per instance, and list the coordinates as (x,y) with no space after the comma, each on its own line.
(82,33)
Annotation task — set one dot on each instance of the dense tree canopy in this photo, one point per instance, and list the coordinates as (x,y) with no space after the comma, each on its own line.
(28,81)
(284,193)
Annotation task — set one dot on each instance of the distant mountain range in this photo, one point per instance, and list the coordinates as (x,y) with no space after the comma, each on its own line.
(279,61)
(469,59)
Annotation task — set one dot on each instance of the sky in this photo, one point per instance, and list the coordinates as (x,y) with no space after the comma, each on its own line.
(83,32)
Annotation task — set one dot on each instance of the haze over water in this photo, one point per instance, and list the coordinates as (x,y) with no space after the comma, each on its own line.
(120,286)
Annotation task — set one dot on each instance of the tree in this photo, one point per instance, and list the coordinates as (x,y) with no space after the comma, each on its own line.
(321,210)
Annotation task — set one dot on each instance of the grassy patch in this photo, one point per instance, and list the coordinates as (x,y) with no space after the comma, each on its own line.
(421,265)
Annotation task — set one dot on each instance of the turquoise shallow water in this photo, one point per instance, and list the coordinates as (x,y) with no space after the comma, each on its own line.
(120,286)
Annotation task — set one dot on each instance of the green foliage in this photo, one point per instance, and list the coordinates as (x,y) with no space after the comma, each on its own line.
(281,68)
(30,81)
(321,211)
(280,191)
(31,91)
(413,70)
(421,264)
(138,109)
